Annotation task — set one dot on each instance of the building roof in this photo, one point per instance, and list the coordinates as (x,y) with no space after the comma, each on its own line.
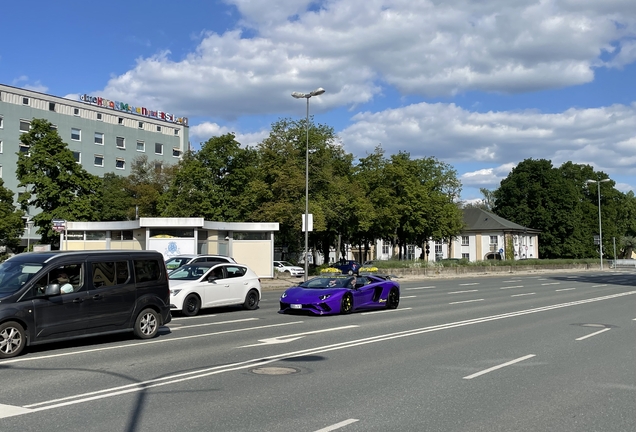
(477,219)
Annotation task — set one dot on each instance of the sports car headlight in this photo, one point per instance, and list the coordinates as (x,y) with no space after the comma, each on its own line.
(284,295)
(324,296)
(174,292)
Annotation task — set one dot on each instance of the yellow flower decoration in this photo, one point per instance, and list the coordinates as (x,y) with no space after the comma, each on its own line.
(330,270)
(369,269)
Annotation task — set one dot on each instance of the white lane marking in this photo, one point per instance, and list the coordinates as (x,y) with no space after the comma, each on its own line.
(191,317)
(511,281)
(198,374)
(521,295)
(494,368)
(419,288)
(408,297)
(593,334)
(551,283)
(11,410)
(467,301)
(337,425)
(573,277)
(472,283)
(182,327)
(461,292)
(596,286)
(385,311)
(151,341)
(511,287)
(293,337)
(565,289)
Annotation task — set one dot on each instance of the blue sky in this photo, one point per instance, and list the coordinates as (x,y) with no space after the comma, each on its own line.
(481,85)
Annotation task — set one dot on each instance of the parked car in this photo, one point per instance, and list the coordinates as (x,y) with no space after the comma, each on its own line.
(180,260)
(210,284)
(289,268)
(54,296)
(326,295)
(349,267)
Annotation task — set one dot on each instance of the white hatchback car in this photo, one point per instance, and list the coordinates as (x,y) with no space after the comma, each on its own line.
(208,284)
(284,266)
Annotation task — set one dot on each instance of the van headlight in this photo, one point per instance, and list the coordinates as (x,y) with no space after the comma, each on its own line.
(174,292)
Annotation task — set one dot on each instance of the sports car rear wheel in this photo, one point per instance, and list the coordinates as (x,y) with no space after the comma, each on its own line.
(394,299)
(346,305)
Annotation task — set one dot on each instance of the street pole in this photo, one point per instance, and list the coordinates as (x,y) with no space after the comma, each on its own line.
(600,225)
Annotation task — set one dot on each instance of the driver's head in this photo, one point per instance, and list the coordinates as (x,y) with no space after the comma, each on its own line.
(62,277)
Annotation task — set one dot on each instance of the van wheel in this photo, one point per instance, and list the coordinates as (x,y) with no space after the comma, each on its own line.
(12,339)
(251,300)
(147,324)
(191,305)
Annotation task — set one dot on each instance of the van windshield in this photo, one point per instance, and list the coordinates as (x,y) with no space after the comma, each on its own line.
(13,275)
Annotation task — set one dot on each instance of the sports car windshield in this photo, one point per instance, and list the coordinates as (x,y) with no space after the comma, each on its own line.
(189,272)
(327,282)
(14,275)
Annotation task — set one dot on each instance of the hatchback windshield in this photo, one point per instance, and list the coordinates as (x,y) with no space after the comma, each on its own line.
(190,271)
(13,275)
(174,263)
(286,264)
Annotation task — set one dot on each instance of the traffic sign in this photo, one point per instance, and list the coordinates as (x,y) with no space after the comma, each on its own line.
(500,251)
(59,225)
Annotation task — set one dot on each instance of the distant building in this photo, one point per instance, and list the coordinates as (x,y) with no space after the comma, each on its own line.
(104,135)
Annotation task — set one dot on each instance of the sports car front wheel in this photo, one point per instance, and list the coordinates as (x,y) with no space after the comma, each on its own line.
(346,305)
(394,299)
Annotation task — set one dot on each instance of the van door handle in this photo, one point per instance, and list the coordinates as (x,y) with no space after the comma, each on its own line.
(97,297)
(77,300)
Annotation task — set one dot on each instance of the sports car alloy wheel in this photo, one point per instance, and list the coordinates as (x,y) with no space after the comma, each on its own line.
(346,305)
(394,299)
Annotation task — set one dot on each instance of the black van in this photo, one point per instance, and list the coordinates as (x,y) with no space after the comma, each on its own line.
(53,296)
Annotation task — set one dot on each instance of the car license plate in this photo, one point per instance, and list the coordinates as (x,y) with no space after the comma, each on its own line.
(296,306)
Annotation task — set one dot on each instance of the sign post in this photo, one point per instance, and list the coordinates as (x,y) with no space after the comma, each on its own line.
(59,225)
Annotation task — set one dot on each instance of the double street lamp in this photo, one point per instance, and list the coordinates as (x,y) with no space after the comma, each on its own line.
(307,96)
(600,229)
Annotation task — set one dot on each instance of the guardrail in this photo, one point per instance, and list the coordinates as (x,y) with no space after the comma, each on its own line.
(623,263)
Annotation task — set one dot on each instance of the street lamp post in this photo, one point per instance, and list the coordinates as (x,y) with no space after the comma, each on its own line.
(600,229)
(307,96)
(29,225)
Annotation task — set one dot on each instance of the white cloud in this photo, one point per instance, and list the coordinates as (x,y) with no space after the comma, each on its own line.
(204,131)
(23,81)
(488,178)
(354,47)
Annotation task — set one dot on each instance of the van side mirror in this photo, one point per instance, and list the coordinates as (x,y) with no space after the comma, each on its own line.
(52,289)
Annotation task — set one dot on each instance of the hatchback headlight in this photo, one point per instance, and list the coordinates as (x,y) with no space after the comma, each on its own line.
(324,296)
(174,292)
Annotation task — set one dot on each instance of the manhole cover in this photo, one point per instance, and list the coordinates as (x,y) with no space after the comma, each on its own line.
(274,371)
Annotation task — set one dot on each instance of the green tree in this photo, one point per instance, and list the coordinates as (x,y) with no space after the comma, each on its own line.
(11,222)
(55,182)
(117,200)
(147,182)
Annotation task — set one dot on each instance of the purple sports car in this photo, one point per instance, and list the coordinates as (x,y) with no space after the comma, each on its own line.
(325,295)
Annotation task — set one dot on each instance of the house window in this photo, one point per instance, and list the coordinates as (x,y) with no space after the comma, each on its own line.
(51,106)
(120,120)
(99,116)
(99,160)
(176,152)
(25,101)
(493,240)
(76,134)
(465,241)
(141,146)
(25,125)
(121,143)
(120,163)
(158,128)
(77,156)
(76,111)
(466,256)
(158,148)
(386,248)
(99,138)
(141,125)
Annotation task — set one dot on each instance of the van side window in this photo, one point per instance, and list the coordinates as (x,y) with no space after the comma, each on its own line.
(70,277)
(103,274)
(123,273)
(147,270)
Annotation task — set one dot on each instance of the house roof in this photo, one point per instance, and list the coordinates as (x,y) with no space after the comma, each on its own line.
(477,219)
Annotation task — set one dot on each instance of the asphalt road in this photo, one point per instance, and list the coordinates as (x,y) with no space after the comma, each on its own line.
(523,353)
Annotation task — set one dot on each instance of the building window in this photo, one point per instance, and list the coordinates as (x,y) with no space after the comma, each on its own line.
(465,241)
(466,256)
(1,122)
(25,125)
(1,147)
(120,120)
(141,146)
(99,138)
(95,235)
(24,148)
(158,166)
(158,148)
(77,156)
(99,160)
(121,143)
(76,111)
(158,128)
(493,240)
(176,132)
(25,101)
(99,116)
(53,127)
(120,163)
(176,152)
(386,248)
(0,171)
(141,125)
(51,106)
(76,134)
(121,235)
